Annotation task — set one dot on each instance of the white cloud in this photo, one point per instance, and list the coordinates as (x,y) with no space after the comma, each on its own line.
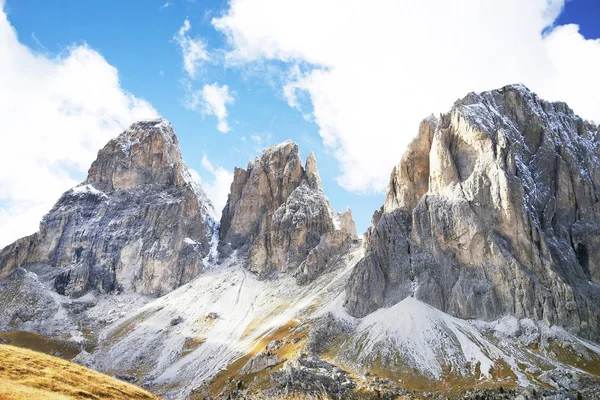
(214,100)
(373,70)
(193,50)
(167,4)
(211,99)
(217,190)
(55,114)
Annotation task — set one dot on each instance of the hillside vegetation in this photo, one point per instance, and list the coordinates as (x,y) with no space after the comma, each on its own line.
(26,374)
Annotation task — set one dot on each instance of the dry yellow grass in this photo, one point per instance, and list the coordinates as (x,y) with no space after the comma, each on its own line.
(26,374)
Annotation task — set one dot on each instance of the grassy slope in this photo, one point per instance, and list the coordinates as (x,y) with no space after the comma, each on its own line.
(26,374)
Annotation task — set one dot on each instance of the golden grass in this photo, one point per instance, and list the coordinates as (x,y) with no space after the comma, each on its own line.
(260,321)
(26,374)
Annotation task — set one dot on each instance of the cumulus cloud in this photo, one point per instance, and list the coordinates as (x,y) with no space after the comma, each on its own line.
(372,70)
(213,101)
(55,113)
(193,50)
(217,190)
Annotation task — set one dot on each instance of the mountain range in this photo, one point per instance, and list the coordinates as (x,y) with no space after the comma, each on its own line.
(479,276)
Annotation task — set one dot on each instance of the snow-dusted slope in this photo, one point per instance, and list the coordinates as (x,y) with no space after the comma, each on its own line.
(226,309)
(413,336)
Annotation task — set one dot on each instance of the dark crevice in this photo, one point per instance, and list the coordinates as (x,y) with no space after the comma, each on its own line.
(61,282)
(581,253)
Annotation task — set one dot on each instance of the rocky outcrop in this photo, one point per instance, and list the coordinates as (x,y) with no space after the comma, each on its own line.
(493,210)
(260,362)
(138,223)
(313,376)
(277,212)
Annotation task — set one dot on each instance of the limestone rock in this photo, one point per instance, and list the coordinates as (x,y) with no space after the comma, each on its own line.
(313,376)
(494,209)
(312,175)
(326,255)
(276,212)
(257,192)
(409,180)
(260,362)
(138,223)
(345,223)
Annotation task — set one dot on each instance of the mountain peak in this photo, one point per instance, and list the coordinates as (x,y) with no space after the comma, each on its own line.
(515,102)
(312,173)
(286,144)
(145,153)
(142,130)
(277,213)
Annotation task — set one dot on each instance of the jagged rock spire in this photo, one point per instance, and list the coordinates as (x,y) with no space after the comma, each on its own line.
(312,174)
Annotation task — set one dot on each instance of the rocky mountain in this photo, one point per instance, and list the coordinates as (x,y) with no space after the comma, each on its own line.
(278,215)
(478,277)
(138,225)
(494,210)
(138,222)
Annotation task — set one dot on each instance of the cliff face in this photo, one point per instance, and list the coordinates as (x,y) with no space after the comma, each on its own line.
(138,223)
(493,210)
(277,213)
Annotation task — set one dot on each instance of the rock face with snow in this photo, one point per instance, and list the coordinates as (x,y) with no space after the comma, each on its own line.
(332,246)
(138,223)
(277,212)
(493,210)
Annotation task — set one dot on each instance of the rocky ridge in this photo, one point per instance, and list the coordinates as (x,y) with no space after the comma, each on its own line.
(494,210)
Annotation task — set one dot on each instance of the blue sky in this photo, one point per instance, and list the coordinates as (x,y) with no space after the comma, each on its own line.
(138,41)
(585,13)
(137,38)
